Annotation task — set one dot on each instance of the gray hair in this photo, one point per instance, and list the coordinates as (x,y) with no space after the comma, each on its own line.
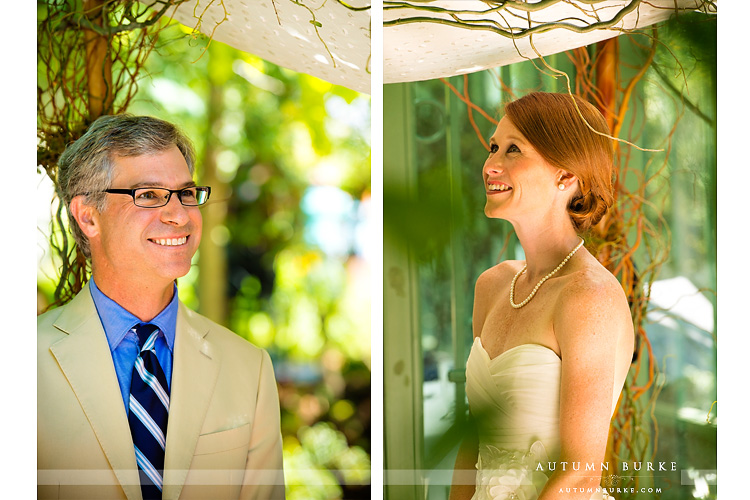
(86,167)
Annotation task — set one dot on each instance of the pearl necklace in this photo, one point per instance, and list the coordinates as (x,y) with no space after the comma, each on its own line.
(533,292)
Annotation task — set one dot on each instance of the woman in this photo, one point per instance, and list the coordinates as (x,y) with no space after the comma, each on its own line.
(553,335)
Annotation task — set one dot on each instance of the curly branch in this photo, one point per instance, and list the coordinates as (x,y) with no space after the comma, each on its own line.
(465,99)
(316,24)
(501,4)
(82,21)
(495,27)
(200,22)
(351,7)
(86,69)
(570,92)
(689,104)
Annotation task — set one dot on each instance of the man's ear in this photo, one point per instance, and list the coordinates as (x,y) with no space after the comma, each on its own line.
(85,215)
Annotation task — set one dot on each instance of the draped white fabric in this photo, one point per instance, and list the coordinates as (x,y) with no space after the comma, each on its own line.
(323,39)
(417,51)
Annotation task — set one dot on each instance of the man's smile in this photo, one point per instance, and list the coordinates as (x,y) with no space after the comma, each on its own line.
(169,242)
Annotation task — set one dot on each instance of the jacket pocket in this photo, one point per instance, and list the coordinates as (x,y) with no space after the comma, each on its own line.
(217,470)
(216,442)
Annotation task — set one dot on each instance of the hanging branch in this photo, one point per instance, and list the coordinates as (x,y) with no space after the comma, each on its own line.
(634,429)
(674,90)
(90,56)
(471,106)
(199,17)
(135,21)
(352,8)
(478,20)
(316,24)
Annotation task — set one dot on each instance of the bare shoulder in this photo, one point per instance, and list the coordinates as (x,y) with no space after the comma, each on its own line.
(592,305)
(498,275)
(593,286)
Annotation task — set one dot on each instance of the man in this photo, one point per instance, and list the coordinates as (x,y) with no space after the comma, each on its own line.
(138,396)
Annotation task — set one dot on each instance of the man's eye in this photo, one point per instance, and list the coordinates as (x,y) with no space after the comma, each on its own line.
(493,148)
(188,194)
(147,195)
(513,149)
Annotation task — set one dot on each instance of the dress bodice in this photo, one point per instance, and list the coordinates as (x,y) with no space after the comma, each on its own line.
(515,402)
(515,397)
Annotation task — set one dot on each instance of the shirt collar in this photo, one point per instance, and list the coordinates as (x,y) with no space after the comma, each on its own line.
(117,321)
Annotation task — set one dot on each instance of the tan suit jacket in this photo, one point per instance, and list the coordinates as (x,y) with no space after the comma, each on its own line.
(223,435)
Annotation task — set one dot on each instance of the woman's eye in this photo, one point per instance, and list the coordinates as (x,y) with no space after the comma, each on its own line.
(513,149)
(493,148)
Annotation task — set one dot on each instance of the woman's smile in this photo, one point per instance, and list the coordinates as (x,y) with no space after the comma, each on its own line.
(496,187)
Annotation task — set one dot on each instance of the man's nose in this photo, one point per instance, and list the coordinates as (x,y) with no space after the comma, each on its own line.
(174,212)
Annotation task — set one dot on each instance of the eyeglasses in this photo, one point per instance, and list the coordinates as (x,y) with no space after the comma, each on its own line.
(153,197)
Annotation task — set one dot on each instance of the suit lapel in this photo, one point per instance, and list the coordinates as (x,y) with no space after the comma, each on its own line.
(196,368)
(84,357)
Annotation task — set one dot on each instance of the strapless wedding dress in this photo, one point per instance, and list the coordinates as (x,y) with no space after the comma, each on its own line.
(515,401)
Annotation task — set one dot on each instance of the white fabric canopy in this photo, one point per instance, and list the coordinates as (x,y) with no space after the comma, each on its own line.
(426,50)
(284,33)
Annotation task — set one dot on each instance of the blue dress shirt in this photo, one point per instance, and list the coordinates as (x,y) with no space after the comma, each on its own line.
(123,343)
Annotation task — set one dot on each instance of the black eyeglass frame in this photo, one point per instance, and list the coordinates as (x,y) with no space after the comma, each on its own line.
(131,192)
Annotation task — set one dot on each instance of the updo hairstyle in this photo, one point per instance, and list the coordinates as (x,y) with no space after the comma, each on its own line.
(552,125)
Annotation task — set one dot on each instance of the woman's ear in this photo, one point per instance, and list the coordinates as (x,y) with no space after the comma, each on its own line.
(566,180)
(85,215)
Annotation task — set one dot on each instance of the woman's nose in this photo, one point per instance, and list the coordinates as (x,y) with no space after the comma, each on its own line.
(492,167)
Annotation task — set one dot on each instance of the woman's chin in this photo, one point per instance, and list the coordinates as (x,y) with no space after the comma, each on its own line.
(492,212)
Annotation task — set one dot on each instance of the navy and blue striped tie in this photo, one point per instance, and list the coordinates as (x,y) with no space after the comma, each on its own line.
(149,409)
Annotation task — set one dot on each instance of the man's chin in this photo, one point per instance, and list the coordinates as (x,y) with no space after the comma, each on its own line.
(180,273)
(173,271)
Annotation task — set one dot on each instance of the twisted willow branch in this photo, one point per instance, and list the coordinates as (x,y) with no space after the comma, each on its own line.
(316,24)
(89,57)
(199,17)
(501,4)
(82,21)
(495,27)
(496,7)
(638,211)
(351,7)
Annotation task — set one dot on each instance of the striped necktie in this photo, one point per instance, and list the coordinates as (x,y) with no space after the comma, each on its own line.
(149,409)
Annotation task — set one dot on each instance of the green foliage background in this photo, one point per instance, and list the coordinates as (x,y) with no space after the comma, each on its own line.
(265,136)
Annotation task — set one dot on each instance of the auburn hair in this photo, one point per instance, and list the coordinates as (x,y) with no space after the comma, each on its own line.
(553,126)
